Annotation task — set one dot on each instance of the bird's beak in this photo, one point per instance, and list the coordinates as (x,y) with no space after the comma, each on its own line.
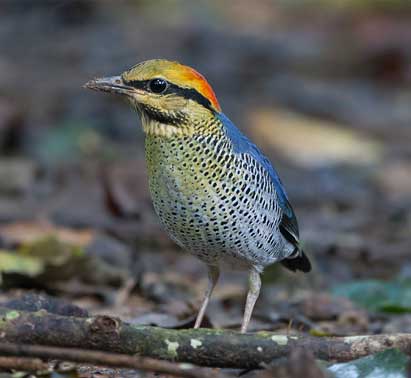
(112,84)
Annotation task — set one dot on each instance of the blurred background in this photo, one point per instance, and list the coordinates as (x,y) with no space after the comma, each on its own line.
(323,87)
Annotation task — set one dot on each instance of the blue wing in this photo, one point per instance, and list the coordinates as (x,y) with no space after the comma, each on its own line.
(241,144)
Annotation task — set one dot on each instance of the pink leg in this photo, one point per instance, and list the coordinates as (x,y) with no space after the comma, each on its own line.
(213,274)
(254,282)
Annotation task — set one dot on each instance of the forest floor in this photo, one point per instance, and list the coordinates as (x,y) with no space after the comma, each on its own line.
(326,100)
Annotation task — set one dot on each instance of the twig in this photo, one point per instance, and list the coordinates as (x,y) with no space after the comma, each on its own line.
(101,359)
(203,347)
(22,363)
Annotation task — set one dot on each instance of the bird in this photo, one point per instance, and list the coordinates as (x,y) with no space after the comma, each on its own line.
(215,193)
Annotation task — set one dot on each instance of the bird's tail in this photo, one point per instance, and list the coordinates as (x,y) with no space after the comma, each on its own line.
(298,262)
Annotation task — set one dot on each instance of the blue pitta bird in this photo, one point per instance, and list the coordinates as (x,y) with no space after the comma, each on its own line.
(216,194)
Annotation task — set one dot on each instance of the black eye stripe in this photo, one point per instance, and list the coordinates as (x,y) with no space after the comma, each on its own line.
(138,84)
(188,93)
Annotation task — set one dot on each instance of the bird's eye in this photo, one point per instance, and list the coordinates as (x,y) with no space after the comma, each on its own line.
(157,85)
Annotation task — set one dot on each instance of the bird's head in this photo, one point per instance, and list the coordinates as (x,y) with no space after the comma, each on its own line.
(171,98)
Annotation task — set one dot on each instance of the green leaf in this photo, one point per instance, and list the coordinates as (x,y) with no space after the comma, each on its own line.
(374,295)
(10,262)
(46,259)
(49,260)
(391,363)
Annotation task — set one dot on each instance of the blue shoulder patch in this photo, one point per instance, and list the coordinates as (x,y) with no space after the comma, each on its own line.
(242,144)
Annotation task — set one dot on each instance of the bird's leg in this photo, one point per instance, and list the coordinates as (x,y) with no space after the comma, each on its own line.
(213,274)
(254,282)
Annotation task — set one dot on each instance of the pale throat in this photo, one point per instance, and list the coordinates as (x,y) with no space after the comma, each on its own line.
(155,128)
(198,122)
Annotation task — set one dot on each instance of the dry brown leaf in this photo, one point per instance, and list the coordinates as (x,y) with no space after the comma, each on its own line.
(26,232)
(311,142)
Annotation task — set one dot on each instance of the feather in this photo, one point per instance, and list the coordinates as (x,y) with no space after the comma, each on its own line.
(300,262)
(288,225)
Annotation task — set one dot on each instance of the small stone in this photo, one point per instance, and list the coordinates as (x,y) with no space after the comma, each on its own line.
(16,175)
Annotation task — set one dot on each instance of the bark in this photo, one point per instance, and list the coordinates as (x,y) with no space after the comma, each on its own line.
(204,347)
(95,358)
(22,364)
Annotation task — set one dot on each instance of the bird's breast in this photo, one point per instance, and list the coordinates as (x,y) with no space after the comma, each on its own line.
(212,201)
(184,172)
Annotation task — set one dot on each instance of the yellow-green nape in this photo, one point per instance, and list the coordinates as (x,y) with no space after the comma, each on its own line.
(175,73)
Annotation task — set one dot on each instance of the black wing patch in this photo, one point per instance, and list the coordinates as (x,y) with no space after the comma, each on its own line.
(289,229)
(298,263)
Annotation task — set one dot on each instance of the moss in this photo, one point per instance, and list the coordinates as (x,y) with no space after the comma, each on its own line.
(195,343)
(172,347)
(11,315)
(280,339)
(319,333)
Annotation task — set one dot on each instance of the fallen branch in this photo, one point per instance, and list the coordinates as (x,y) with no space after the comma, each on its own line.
(96,358)
(204,347)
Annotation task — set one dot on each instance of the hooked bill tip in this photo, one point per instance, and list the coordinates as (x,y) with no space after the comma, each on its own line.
(91,84)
